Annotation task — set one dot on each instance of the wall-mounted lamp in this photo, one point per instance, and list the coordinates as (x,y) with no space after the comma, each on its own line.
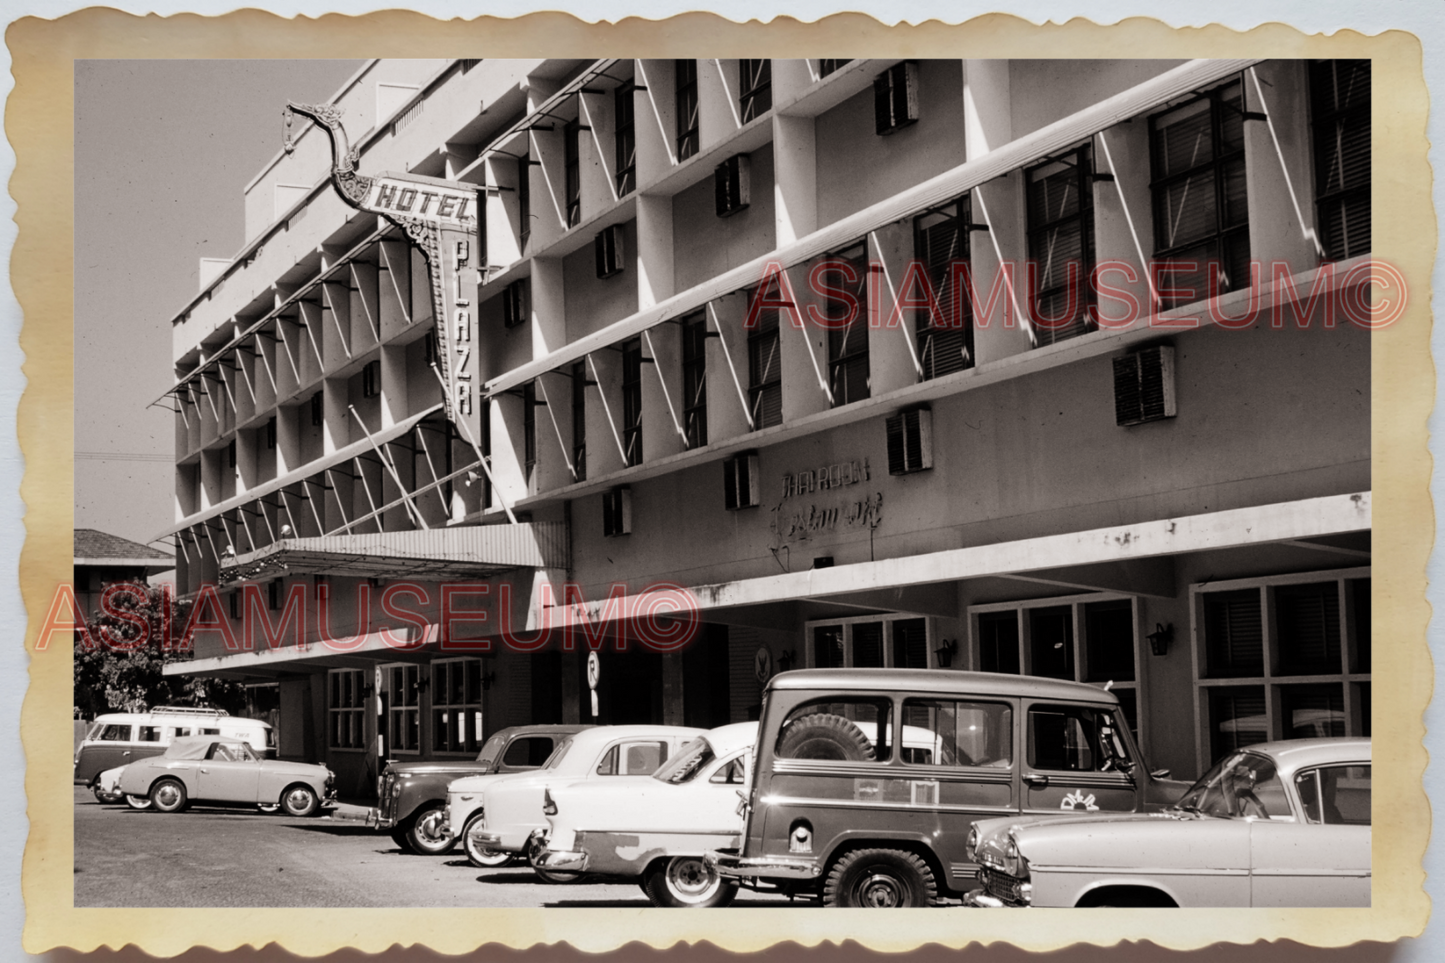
(487,679)
(368,689)
(945,652)
(422,683)
(785,660)
(1160,638)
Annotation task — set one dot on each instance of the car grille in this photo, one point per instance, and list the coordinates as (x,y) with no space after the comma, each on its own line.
(1001,885)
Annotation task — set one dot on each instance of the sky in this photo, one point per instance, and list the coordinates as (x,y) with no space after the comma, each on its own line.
(163,149)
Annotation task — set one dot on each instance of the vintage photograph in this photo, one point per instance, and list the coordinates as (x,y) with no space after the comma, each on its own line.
(856,483)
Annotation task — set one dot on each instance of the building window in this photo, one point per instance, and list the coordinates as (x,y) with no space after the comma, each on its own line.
(625,140)
(845,275)
(1201,216)
(765,369)
(271,433)
(345,709)
(632,401)
(694,379)
(317,409)
(524,199)
(1061,246)
(895,98)
(1286,657)
(1083,638)
(617,512)
(940,243)
(529,428)
(826,67)
(516,311)
(371,379)
(579,419)
(572,171)
(868,643)
(231,454)
(740,481)
(1340,108)
(756,86)
(403,708)
(456,699)
(687,112)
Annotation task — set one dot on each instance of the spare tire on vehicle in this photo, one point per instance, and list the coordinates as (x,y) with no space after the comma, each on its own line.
(823,735)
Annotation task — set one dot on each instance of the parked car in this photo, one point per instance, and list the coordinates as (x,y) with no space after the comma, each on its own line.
(656,828)
(1277,824)
(411,796)
(839,816)
(120,738)
(219,769)
(503,813)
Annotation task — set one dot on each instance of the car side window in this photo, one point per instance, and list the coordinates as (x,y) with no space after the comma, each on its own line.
(528,752)
(841,730)
(1074,739)
(115,732)
(730,773)
(945,732)
(180,731)
(632,759)
(150,733)
(220,752)
(1335,795)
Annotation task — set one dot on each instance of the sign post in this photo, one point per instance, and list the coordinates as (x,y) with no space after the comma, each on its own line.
(594,673)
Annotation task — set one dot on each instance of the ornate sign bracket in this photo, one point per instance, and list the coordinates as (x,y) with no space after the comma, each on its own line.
(440,218)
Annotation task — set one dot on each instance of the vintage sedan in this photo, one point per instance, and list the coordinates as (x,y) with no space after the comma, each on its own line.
(504,813)
(1277,824)
(656,828)
(217,769)
(411,796)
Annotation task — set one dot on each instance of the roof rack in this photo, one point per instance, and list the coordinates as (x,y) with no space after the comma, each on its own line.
(188,711)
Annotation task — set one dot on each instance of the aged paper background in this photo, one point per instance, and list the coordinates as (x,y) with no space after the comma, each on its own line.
(38,123)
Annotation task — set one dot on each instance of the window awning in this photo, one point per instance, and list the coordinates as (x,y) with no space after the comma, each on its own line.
(305,471)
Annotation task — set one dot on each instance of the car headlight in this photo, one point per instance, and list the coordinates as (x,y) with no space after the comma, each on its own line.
(970,846)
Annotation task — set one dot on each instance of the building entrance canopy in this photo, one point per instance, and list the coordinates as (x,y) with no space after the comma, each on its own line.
(433,554)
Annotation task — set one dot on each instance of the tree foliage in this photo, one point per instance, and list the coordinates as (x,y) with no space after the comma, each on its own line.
(118,667)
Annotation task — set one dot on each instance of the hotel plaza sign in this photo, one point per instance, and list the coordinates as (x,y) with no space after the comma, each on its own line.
(440,218)
(858,510)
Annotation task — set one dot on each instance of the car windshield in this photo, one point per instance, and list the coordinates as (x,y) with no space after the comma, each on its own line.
(1242,784)
(689,761)
(490,748)
(555,759)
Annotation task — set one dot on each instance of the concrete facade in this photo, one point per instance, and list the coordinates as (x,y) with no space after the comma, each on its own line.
(308,407)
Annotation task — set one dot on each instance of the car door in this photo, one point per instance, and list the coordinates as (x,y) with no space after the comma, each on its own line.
(1323,858)
(1072,761)
(228,774)
(958,763)
(112,746)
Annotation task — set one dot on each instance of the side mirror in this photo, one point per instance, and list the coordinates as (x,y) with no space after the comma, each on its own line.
(1159,773)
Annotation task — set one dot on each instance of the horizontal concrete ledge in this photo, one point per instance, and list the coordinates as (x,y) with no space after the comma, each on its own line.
(1279,522)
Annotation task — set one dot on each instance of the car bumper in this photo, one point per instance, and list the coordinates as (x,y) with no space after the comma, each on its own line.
(768,867)
(486,840)
(375,819)
(978,898)
(568,862)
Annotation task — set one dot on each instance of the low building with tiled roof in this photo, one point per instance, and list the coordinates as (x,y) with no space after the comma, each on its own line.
(102,558)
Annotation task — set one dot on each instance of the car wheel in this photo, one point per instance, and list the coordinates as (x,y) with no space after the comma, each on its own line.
(535,848)
(168,796)
(300,800)
(104,798)
(424,835)
(687,881)
(481,856)
(138,802)
(398,836)
(879,878)
(823,735)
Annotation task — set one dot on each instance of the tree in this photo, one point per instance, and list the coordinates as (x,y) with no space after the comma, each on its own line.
(118,670)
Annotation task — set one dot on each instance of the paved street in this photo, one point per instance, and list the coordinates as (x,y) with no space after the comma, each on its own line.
(209,856)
